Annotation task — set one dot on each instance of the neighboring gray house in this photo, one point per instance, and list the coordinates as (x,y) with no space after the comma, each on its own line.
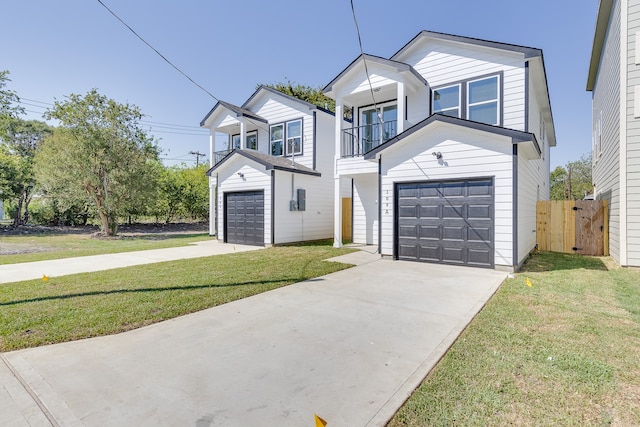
(614,81)
(448,151)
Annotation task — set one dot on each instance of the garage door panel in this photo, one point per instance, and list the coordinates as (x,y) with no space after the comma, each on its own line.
(429,232)
(453,233)
(447,222)
(429,191)
(244,218)
(480,211)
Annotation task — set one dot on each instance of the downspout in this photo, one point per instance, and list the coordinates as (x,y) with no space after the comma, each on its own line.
(380,205)
(514,203)
(624,42)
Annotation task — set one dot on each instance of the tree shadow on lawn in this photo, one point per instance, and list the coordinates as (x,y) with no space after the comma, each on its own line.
(140,290)
(553,261)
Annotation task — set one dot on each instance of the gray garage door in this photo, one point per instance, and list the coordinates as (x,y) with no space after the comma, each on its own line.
(244,217)
(449,222)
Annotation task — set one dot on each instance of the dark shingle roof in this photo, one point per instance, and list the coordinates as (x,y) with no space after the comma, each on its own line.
(270,162)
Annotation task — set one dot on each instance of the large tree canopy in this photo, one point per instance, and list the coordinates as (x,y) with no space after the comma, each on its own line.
(99,153)
(572,182)
(20,142)
(312,95)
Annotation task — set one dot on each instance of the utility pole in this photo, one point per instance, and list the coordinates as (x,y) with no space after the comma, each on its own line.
(198,155)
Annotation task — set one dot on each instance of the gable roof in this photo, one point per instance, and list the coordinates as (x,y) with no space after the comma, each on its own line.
(240,112)
(270,162)
(515,135)
(262,88)
(396,65)
(529,52)
(602,23)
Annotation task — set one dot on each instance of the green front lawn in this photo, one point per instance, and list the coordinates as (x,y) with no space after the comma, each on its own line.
(40,247)
(561,352)
(37,312)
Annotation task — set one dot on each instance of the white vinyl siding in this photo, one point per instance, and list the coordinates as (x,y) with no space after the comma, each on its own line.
(280,110)
(466,154)
(253,178)
(314,223)
(442,63)
(632,156)
(365,209)
(531,176)
(606,104)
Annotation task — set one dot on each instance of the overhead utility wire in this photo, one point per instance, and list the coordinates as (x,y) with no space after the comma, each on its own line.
(169,62)
(151,124)
(156,51)
(364,60)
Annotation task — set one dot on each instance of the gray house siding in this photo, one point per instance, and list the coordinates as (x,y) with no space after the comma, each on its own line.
(606,129)
(633,138)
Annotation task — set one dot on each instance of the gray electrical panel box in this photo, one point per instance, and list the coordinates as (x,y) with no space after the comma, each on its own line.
(302,199)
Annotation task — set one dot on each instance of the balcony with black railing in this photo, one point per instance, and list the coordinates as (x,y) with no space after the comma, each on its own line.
(357,141)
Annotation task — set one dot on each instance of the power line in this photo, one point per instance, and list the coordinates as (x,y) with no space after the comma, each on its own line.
(156,51)
(364,60)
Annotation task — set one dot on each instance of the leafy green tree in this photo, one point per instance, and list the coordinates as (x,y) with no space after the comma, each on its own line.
(99,153)
(195,201)
(572,182)
(182,191)
(21,140)
(310,94)
(9,103)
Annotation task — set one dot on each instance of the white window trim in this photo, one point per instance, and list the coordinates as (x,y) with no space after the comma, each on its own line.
(251,133)
(496,100)
(271,141)
(287,138)
(458,108)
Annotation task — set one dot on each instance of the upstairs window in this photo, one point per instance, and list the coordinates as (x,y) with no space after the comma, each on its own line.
(294,137)
(291,132)
(483,101)
(277,139)
(252,140)
(477,100)
(446,101)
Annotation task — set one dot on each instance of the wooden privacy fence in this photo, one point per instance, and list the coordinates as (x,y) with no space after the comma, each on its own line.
(573,226)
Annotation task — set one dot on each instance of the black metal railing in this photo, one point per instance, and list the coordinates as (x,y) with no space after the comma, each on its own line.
(357,141)
(219,155)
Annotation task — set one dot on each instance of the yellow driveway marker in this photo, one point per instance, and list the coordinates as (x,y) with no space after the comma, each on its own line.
(319,421)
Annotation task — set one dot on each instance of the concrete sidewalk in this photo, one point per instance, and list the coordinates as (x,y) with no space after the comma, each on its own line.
(87,264)
(349,346)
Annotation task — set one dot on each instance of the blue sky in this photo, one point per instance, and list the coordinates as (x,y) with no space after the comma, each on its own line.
(54,48)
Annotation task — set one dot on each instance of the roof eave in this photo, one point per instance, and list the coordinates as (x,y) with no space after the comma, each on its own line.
(599,33)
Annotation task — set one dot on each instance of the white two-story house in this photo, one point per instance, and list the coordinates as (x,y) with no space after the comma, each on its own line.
(273,182)
(614,81)
(447,152)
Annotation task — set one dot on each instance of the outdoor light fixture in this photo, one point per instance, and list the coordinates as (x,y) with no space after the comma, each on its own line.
(240,174)
(437,155)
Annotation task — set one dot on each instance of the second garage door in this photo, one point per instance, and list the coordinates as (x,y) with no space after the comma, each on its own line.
(450,222)
(244,217)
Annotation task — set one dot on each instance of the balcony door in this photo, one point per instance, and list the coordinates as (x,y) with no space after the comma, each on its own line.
(374,132)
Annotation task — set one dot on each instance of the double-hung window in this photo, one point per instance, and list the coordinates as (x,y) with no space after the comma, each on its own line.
(477,100)
(446,100)
(289,132)
(277,139)
(482,103)
(294,137)
(251,140)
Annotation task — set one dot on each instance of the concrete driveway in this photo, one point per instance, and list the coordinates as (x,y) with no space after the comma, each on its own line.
(350,346)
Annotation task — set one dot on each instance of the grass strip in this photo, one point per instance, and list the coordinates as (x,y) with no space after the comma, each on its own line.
(37,312)
(560,352)
(58,246)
